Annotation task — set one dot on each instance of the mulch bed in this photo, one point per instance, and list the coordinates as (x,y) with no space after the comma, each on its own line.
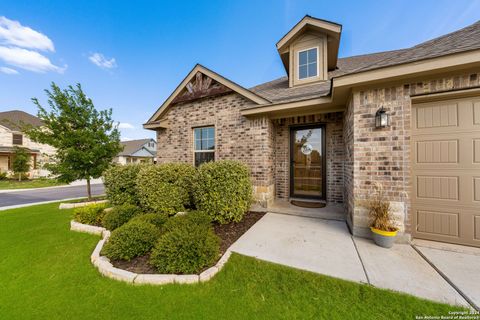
(228,233)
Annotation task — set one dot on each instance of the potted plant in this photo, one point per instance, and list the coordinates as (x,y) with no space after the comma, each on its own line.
(382,224)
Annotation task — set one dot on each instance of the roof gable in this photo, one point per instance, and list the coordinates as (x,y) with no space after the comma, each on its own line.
(132,146)
(200,86)
(312,25)
(199,83)
(14,120)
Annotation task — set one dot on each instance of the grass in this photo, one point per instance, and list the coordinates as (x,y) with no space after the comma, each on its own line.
(46,274)
(28,184)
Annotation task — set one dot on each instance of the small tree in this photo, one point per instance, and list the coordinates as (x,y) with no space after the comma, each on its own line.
(86,139)
(21,162)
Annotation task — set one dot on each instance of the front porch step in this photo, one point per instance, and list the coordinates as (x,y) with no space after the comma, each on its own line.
(330,212)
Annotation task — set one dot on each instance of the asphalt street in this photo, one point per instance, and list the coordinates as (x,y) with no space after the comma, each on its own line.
(39,195)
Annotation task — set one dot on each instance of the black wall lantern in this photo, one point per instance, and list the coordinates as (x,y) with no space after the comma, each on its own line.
(382,118)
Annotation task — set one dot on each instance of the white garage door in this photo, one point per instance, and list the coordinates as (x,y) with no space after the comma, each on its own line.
(446,171)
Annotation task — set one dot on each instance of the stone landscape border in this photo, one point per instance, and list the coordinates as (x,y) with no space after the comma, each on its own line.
(105,267)
(79,204)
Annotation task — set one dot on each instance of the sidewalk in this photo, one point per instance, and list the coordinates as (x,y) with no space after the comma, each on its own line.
(326,247)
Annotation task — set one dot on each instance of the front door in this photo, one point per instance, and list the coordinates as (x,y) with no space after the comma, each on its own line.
(307,162)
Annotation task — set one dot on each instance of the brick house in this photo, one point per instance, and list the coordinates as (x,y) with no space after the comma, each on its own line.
(313,134)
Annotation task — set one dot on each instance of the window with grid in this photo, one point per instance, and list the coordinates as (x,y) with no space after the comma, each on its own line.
(307,63)
(204,148)
(17,139)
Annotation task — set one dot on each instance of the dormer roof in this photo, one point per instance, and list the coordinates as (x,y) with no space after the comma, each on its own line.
(313,25)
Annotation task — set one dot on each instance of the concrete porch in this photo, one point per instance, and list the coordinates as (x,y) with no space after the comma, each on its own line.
(330,211)
(327,247)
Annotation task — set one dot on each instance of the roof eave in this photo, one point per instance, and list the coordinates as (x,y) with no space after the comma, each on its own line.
(450,62)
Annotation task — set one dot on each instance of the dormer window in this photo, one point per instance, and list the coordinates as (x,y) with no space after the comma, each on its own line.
(308,63)
(309,51)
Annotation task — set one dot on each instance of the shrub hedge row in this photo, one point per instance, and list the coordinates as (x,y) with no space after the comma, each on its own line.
(165,188)
(120,184)
(221,189)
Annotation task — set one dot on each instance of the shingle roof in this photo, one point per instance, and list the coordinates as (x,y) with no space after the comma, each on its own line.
(465,39)
(132,146)
(16,119)
(279,91)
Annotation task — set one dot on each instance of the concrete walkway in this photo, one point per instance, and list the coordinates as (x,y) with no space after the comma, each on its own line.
(459,264)
(326,247)
(321,246)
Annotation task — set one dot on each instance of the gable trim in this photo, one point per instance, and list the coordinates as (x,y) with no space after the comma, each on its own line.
(209,73)
(329,27)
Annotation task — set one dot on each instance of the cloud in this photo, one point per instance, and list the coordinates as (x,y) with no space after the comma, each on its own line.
(99,60)
(13,33)
(28,60)
(8,70)
(125,125)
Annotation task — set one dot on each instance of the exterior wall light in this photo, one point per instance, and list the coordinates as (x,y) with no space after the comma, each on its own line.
(382,118)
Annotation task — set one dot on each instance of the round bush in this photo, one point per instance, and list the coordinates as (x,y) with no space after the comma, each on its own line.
(91,214)
(195,217)
(165,188)
(223,190)
(186,248)
(120,182)
(131,240)
(157,219)
(119,215)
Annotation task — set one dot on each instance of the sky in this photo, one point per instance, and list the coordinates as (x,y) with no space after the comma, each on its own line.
(130,55)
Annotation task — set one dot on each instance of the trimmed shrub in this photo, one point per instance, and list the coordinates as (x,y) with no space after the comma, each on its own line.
(131,240)
(198,218)
(223,190)
(157,219)
(119,215)
(120,184)
(3,176)
(185,248)
(165,188)
(91,214)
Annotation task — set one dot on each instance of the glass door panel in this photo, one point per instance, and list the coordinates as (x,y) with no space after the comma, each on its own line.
(307,162)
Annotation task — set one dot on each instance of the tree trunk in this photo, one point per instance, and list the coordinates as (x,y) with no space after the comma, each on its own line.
(19,177)
(89,190)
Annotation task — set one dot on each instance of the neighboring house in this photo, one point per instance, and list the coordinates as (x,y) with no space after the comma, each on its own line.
(137,151)
(11,135)
(313,133)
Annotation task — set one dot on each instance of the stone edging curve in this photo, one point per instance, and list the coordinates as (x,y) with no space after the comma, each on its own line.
(70,205)
(108,270)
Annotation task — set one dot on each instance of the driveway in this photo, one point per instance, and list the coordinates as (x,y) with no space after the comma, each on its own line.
(16,198)
(326,247)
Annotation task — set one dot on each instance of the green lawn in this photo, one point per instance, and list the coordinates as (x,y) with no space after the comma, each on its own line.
(27,184)
(45,273)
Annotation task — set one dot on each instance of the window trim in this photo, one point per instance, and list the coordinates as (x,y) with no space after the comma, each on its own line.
(298,63)
(13,139)
(214,150)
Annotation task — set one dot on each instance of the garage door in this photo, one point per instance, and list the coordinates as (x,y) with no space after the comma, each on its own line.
(446,171)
